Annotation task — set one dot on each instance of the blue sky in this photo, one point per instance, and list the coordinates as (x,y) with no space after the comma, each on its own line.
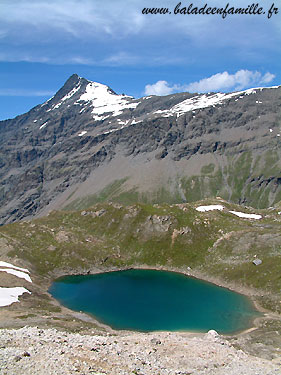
(110,41)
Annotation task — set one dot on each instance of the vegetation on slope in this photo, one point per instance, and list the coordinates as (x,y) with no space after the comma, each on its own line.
(109,235)
(244,179)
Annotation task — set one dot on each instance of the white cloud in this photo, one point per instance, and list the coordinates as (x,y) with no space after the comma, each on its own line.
(16,56)
(120,58)
(160,88)
(225,81)
(268,77)
(21,92)
(218,82)
(57,30)
(89,18)
(19,56)
(71,17)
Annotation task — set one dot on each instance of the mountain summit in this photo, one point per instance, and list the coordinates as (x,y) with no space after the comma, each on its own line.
(102,100)
(87,144)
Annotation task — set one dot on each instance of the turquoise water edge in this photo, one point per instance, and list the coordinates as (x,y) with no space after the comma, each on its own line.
(150,300)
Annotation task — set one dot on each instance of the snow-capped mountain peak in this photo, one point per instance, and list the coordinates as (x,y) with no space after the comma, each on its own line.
(101,98)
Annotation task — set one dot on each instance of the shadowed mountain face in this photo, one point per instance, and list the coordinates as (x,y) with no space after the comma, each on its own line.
(88,144)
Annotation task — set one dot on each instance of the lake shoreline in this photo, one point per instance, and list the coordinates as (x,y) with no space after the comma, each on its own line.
(28,315)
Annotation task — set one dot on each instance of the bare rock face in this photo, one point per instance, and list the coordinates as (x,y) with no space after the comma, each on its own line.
(157,223)
(180,232)
(176,148)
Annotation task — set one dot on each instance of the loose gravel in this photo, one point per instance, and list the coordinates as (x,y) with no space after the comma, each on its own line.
(31,350)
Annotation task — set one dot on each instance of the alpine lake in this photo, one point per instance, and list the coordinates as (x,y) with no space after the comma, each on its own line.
(149,300)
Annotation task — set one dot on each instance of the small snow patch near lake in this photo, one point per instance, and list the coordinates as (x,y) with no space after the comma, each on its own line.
(210,208)
(20,274)
(246,216)
(9,265)
(11,295)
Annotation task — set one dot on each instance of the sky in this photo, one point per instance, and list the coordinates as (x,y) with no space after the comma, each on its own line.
(43,42)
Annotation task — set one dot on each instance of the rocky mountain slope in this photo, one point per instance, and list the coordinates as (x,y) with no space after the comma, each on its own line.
(88,144)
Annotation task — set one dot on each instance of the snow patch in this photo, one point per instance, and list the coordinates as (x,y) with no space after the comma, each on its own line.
(166,113)
(43,125)
(20,274)
(5,264)
(210,208)
(82,133)
(82,110)
(67,96)
(110,131)
(205,100)
(201,101)
(246,216)
(46,102)
(125,125)
(135,122)
(11,295)
(104,101)
(197,102)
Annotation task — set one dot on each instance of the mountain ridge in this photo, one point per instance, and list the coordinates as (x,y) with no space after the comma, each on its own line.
(88,143)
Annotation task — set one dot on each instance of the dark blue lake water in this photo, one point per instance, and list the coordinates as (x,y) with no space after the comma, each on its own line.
(149,300)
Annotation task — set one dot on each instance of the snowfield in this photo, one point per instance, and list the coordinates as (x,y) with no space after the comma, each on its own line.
(220,207)
(210,208)
(105,102)
(9,265)
(246,216)
(20,274)
(11,295)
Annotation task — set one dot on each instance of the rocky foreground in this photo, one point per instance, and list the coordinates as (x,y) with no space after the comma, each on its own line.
(31,350)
